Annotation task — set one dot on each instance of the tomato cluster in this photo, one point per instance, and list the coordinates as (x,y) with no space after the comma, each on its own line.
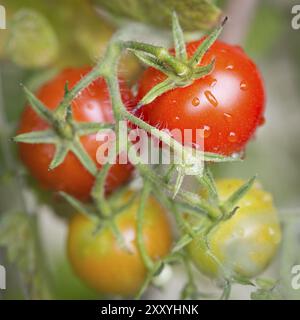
(228,105)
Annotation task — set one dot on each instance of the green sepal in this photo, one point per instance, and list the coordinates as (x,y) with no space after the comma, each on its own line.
(79,206)
(38,106)
(119,236)
(203,71)
(179,181)
(242,280)
(44,136)
(214,157)
(150,61)
(178,37)
(86,128)
(156,91)
(231,202)
(207,180)
(61,151)
(206,44)
(83,157)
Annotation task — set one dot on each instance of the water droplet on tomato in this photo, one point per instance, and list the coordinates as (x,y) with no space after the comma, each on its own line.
(213,82)
(243,86)
(232,137)
(230,67)
(196,102)
(177,118)
(227,115)
(211,98)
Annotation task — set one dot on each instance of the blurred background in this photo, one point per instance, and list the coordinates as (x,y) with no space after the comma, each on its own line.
(42,37)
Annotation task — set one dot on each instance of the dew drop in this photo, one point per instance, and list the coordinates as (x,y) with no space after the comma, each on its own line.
(211,98)
(196,102)
(243,86)
(230,67)
(227,115)
(213,82)
(232,137)
(177,118)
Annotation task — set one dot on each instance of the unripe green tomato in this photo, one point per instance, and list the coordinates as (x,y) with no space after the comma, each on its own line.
(32,41)
(246,243)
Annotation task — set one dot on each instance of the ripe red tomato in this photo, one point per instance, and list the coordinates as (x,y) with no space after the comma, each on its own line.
(228,104)
(92,105)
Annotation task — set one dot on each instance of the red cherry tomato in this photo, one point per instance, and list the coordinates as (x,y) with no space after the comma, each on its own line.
(92,105)
(228,104)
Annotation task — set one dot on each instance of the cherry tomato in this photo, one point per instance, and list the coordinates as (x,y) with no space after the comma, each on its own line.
(92,105)
(246,243)
(98,258)
(227,104)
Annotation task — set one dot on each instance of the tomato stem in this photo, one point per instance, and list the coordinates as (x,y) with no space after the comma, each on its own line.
(140,220)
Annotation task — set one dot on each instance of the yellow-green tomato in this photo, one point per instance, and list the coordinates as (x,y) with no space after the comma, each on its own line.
(100,261)
(246,243)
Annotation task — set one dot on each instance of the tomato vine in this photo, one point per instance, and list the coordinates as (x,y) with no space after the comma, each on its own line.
(65,135)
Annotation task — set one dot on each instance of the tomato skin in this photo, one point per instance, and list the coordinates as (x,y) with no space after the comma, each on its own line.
(246,243)
(92,105)
(227,104)
(100,262)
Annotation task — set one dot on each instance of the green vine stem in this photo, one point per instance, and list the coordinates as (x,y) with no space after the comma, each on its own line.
(140,219)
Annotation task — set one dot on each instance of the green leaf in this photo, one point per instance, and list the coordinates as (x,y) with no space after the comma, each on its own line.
(61,151)
(178,37)
(193,14)
(205,45)
(44,136)
(83,157)
(38,106)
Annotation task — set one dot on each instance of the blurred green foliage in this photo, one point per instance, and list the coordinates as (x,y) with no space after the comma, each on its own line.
(193,14)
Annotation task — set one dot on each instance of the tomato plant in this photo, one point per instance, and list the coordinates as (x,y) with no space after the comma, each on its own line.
(121,243)
(227,104)
(102,263)
(91,105)
(245,243)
